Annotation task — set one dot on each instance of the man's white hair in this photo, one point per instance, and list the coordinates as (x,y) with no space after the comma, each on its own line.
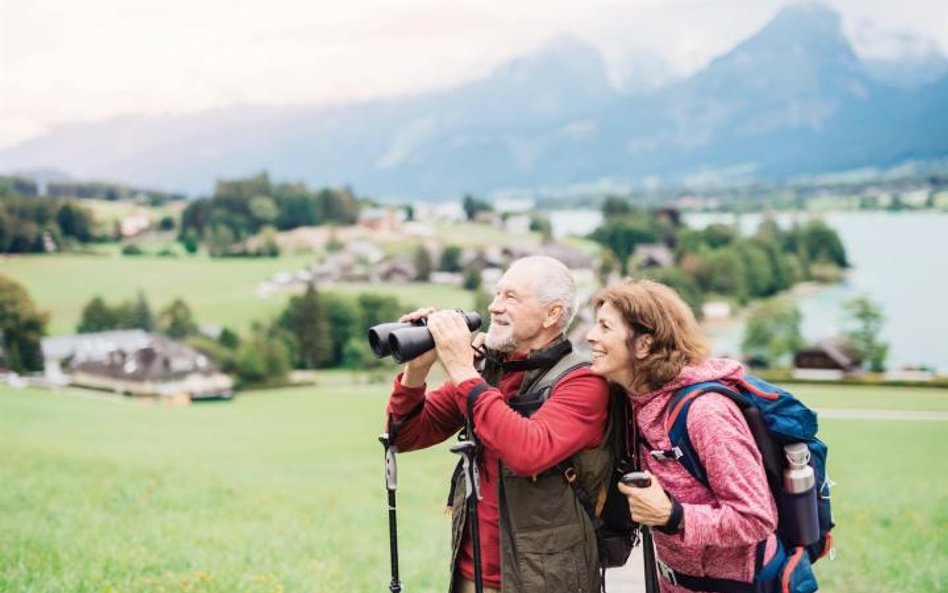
(552,283)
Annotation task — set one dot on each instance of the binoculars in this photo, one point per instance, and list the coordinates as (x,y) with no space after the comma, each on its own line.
(405,341)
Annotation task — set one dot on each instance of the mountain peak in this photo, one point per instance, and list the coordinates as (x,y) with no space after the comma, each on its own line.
(811,25)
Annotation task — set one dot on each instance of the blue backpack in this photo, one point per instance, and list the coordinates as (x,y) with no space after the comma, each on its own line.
(775,419)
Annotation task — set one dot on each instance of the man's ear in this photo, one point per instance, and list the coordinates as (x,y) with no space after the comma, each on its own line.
(554,314)
(643,346)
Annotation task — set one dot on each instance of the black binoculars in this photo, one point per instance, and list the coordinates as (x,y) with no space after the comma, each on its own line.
(405,341)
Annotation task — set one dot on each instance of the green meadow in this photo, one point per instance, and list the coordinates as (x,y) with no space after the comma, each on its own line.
(282,491)
(219,291)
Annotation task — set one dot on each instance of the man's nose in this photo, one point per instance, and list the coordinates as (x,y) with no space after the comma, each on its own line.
(496,305)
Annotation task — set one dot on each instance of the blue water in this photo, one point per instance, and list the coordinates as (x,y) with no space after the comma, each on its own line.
(898,260)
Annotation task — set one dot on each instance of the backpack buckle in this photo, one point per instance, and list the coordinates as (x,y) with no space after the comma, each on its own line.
(675,453)
(570,474)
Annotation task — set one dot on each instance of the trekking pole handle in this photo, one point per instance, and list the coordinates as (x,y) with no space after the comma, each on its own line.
(472,485)
(637,479)
(391,469)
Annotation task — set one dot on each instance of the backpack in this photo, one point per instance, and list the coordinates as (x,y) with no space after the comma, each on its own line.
(616,532)
(775,418)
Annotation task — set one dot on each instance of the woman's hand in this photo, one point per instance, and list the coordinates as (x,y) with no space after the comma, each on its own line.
(453,344)
(649,506)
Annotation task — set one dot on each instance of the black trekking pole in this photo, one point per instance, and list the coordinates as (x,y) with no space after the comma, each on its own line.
(391,483)
(472,485)
(640,480)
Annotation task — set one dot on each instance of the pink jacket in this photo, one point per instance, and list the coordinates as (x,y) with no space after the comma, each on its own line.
(723,525)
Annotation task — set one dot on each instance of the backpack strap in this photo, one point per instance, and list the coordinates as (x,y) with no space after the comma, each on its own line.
(676,424)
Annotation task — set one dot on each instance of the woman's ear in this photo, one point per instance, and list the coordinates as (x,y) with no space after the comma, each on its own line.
(643,346)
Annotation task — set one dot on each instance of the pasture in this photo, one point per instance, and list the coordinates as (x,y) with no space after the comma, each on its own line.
(219,291)
(282,491)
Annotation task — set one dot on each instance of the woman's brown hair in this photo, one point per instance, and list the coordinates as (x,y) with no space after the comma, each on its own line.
(654,309)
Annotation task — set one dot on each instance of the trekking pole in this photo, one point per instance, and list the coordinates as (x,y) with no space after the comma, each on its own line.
(640,480)
(391,483)
(472,485)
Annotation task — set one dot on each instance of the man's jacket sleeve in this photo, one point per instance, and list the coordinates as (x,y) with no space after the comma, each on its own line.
(572,419)
(426,419)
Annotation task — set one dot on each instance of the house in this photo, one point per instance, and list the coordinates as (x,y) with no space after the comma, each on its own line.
(652,255)
(396,271)
(136,363)
(134,224)
(573,258)
(382,219)
(832,358)
(59,351)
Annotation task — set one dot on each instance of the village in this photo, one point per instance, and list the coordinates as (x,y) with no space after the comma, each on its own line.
(436,245)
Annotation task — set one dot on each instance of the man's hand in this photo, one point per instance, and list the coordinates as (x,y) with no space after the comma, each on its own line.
(649,506)
(417,369)
(453,345)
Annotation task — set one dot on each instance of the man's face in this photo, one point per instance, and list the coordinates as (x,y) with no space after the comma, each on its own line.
(516,316)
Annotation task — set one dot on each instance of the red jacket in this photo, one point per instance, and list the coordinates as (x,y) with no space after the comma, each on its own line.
(573,419)
(722,525)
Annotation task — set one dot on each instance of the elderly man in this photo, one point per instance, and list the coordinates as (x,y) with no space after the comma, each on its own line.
(539,416)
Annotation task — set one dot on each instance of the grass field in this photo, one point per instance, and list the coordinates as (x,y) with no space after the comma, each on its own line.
(219,291)
(282,491)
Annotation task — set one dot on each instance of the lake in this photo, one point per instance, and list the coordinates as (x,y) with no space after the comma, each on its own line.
(898,261)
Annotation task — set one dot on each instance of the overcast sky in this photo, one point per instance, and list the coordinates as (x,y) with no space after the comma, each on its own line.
(75,60)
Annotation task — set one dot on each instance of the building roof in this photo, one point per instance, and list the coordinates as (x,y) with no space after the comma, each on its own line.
(654,254)
(837,349)
(93,346)
(161,359)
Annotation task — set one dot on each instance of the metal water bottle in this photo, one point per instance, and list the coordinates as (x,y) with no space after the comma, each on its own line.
(800,520)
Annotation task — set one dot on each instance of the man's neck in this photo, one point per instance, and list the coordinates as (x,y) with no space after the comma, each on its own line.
(538,343)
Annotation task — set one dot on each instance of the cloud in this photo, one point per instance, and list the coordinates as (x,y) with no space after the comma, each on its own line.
(62,60)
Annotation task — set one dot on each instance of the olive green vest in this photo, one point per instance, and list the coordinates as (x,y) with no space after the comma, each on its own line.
(547,540)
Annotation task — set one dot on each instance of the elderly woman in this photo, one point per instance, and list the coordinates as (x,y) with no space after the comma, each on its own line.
(646,339)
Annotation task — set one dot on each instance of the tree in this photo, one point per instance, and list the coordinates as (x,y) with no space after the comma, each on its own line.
(251,367)
(228,338)
(757,269)
(719,235)
(472,278)
(541,224)
(345,324)
(864,320)
(422,264)
(821,243)
(773,332)
(140,314)
(377,309)
(621,235)
(97,316)
(220,240)
(166,223)
(177,321)
(473,206)
(267,245)
(22,327)
(451,259)
(263,209)
(190,241)
(616,206)
(683,285)
(727,273)
(307,320)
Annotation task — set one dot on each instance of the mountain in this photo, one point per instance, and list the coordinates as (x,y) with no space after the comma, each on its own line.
(793,99)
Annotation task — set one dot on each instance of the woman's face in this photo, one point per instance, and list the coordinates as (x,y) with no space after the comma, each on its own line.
(609,342)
